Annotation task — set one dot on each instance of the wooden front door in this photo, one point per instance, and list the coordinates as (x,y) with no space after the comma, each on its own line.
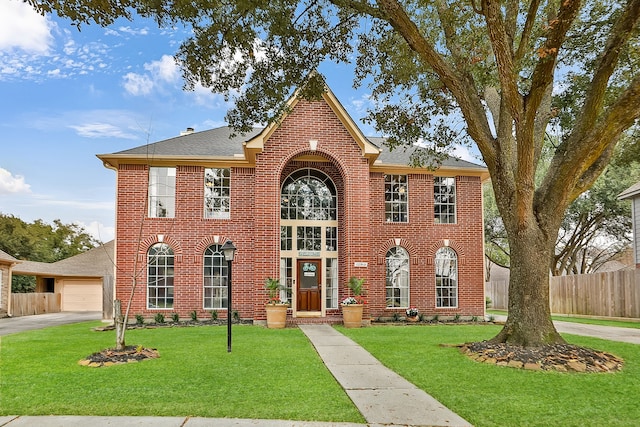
(309,280)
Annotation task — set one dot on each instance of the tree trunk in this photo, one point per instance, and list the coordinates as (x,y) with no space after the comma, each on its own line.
(529,322)
(119,324)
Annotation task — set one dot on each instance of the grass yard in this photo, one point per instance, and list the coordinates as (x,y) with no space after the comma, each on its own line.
(271,374)
(487,395)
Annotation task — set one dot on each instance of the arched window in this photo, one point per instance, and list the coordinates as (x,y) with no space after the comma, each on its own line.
(446,277)
(160,276)
(397,262)
(215,278)
(308,194)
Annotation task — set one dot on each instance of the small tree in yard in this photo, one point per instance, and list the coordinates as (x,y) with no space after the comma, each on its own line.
(506,68)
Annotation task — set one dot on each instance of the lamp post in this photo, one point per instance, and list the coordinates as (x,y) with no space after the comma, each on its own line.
(229,251)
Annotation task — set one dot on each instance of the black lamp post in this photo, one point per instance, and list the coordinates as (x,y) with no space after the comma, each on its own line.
(229,251)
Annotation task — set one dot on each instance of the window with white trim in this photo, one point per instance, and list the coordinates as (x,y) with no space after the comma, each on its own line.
(215,278)
(160,276)
(444,203)
(396,196)
(331,282)
(162,192)
(217,193)
(397,277)
(446,263)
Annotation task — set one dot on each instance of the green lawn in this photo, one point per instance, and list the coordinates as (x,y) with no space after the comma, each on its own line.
(277,374)
(272,374)
(488,395)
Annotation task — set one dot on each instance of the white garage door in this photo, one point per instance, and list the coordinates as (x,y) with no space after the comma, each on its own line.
(82,296)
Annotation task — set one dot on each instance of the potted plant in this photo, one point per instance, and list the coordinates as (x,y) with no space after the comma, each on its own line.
(275,307)
(412,314)
(353,306)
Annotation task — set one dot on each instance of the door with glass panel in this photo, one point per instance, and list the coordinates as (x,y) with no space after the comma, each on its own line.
(309,290)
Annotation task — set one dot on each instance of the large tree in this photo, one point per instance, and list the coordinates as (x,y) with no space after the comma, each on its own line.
(505,68)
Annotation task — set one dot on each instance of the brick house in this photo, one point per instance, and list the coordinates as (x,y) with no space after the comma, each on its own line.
(310,200)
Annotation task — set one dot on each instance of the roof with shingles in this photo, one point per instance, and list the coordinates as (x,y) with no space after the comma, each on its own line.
(96,262)
(219,143)
(7,258)
(630,192)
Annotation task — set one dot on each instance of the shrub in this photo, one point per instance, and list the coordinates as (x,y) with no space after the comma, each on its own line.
(194,316)
(175,317)
(159,318)
(139,319)
(214,315)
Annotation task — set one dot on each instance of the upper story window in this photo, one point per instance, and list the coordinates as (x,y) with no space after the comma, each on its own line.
(396,194)
(308,194)
(216,193)
(446,277)
(162,192)
(444,204)
(160,276)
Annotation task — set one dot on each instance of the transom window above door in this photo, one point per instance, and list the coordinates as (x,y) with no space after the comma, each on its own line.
(308,194)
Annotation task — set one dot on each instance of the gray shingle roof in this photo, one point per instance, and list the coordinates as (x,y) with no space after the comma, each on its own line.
(217,142)
(96,262)
(630,192)
(213,142)
(6,257)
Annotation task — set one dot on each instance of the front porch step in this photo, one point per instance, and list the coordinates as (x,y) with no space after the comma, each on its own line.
(295,321)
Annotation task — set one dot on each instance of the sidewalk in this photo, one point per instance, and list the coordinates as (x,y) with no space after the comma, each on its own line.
(382,396)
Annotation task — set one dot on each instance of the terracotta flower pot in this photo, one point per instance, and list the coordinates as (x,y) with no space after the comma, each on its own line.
(352,315)
(276,315)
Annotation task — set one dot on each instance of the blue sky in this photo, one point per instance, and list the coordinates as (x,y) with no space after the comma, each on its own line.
(66,96)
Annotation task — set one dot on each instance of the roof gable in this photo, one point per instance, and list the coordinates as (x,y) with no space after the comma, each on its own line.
(256,144)
(630,192)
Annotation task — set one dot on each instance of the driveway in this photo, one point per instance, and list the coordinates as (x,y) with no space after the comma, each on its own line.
(12,325)
(612,333)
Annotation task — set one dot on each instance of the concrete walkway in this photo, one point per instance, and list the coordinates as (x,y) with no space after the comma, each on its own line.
(12,325)
(612,333)
(382,396)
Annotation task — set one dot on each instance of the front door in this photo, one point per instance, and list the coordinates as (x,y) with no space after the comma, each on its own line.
(309,279)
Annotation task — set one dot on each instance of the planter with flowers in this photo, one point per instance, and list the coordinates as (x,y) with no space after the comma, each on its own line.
(275,307)
(412,314)
(353,306)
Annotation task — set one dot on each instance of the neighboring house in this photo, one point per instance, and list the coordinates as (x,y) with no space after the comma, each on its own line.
(309,200)
(7,263)
(84,281)
(633,193)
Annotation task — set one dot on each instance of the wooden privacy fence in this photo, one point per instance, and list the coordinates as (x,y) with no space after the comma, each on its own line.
(611,294)
(34,303)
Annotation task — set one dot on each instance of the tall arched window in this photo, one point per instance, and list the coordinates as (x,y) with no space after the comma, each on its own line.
(160,276)
(215,278)
(397,262)
(308,194)
(446,277)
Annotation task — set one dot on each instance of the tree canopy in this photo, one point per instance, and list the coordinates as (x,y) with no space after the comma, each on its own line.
(39,241)
(509,69)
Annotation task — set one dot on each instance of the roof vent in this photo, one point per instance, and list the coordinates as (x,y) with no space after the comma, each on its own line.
(189,131)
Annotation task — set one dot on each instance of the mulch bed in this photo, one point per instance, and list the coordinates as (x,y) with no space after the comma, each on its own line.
(555,357)
(110,357)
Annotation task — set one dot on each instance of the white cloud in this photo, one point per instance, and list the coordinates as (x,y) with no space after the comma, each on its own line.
(98,230)
(21,27)
(101,130)
(165,69)
(138,84)
(10,184)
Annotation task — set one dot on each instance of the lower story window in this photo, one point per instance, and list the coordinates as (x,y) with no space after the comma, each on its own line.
(160,276)
(446,278)
(215,278)
(286,279)
(397,277)
(331,282)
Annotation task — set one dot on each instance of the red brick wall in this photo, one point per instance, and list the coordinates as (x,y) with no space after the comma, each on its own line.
(364,236)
